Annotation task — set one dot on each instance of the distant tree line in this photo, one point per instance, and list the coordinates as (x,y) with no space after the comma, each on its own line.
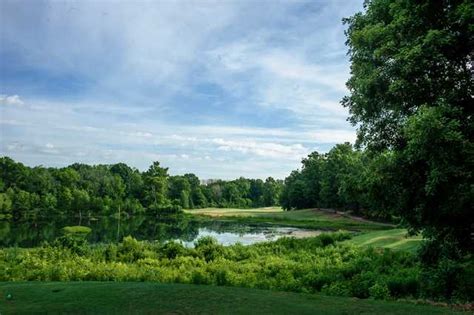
(345,179)
(83,190)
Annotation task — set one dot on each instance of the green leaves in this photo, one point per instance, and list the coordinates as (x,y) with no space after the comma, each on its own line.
(405,54)
(411,95)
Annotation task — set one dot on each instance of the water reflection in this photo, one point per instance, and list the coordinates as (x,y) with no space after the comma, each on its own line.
(109,229)
(252,235)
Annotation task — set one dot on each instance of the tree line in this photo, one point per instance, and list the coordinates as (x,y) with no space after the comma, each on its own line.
(85,190)
(344,179)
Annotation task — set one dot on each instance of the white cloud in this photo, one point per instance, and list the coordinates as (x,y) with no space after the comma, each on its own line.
(15,147)
(11,100)
(264,149)
(139,134)
(334,136)
(280,78)
(295,68)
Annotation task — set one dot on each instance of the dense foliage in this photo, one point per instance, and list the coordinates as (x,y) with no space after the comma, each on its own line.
(411,94)
(309,265)
(343,178)
(85,190)
(319,264)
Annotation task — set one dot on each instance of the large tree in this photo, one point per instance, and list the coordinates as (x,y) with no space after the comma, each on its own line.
(411,96)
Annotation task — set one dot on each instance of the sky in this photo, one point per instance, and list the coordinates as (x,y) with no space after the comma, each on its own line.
(221,89)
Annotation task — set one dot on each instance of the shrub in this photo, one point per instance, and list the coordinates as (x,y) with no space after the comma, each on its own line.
(326,239)
(172,249)
(130,250)
(440,281)
(316,281)
(379,291)
(76,243)
(406,284)
(337,289)
(110,252)
(222,277)
(361,283)
(199,276)
(209,248)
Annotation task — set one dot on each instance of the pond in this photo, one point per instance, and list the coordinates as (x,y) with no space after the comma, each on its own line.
(32,233)
(231,235)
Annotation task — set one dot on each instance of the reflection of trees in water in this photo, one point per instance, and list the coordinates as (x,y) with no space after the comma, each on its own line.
(31,233)
(233,227)
(26,234)
(4,230)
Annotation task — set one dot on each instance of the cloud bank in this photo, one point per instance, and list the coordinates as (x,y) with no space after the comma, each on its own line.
(221,89)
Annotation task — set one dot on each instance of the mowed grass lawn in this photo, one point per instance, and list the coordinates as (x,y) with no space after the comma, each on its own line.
(396,239)
(308,218)
(155,298)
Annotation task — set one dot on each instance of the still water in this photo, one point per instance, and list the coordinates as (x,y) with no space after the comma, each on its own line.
(108,229)
(230,236)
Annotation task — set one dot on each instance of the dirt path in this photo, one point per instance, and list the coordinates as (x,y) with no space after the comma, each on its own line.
(339,214)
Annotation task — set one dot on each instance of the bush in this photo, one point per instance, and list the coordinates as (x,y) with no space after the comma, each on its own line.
(326,239)
(222,277)
(198,276)
(379,291)
(173,249)
(441,281)
(316,281)
(130,250)
(76,243)
(337,289)
(209,248)
(403,285)
(111,252)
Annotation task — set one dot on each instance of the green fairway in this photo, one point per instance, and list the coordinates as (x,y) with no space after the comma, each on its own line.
(396,239)
(308,218)
(146,297)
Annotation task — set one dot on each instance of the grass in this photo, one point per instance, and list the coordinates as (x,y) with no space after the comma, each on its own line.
(309,218)
(396,239)
(155,298)
(76,229)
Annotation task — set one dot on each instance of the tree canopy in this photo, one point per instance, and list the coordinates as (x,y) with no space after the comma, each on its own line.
(411,90)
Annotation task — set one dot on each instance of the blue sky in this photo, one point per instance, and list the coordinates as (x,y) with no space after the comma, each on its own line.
(219,88)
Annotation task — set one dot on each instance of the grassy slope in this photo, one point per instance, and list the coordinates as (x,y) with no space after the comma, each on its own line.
(309,218)
(396,239)
(143,297)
